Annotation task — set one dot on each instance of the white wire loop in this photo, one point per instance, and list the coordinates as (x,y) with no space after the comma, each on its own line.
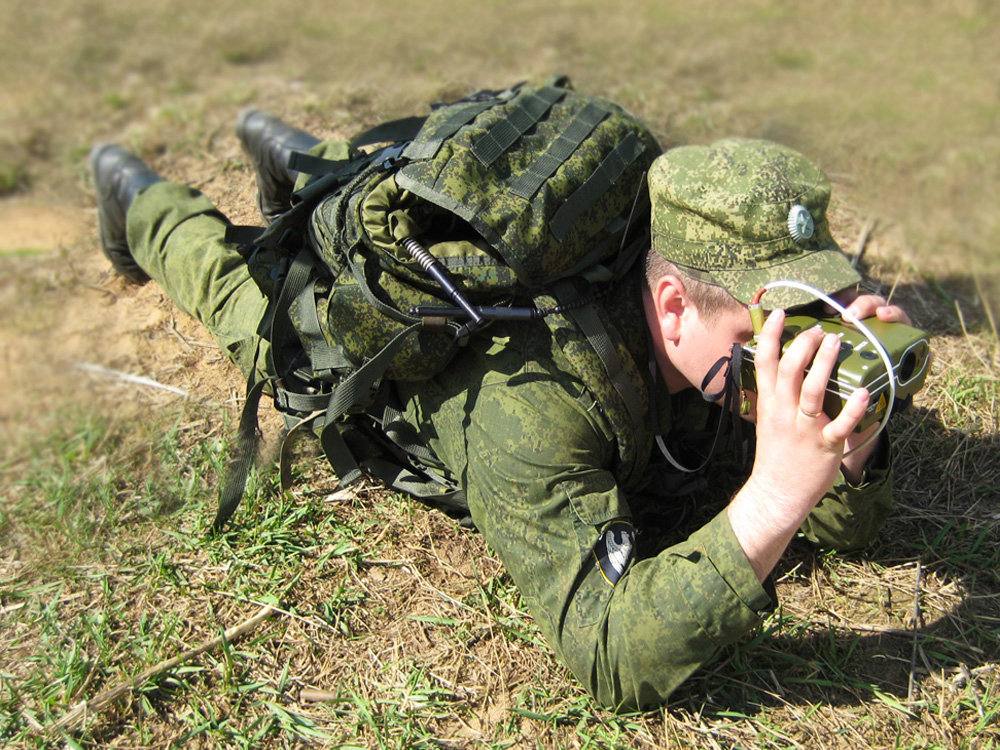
(854,320)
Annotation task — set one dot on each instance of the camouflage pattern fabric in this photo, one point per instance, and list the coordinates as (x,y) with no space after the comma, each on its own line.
(523,436)
(176,235)
(764,221)
(515,424)
(510,192)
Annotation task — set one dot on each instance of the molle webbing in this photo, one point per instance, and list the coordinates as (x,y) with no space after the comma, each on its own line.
(528,109)
(597,185)
(426,146)
(528,183)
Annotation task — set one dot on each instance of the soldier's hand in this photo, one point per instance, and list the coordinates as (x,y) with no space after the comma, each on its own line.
(866,306)
(799,448)
(872,306)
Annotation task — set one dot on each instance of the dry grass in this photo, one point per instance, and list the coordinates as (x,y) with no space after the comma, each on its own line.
(404,619)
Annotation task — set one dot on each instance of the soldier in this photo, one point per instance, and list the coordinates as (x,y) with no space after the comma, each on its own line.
(514,426)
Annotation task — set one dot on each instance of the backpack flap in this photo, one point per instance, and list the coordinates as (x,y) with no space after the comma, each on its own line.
(550,178)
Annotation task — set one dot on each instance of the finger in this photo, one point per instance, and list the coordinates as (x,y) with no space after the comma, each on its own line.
(817,380)
(797,357)
(860,438)
(893,314)
(845,297)
(865,306)
(838,430)
(768,352)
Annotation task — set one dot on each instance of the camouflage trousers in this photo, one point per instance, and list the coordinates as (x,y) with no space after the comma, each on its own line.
(177,237)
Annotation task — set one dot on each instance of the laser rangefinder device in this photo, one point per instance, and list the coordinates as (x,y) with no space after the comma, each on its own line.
(859,364)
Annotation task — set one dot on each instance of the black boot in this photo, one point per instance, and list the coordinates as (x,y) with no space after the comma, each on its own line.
(269,143)
(118,177)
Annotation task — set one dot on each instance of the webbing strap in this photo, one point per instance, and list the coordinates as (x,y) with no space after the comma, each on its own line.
(610,169)
(243,459)
(404,129)
(426,148)
(341,459)
(351,392)
(562,147)
(242,235)
(589,321)
(528,108)
(405,479)
(286,400)
(323,357)
(354,388)
(302,162)
(282,330)
(396,429)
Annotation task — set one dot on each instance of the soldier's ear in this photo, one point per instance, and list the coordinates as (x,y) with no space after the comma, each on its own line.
(671,303)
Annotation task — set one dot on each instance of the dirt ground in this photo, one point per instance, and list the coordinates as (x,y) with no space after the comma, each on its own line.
(896,100)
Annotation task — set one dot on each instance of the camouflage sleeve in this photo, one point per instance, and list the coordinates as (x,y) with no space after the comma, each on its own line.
(532,458)
(849,516)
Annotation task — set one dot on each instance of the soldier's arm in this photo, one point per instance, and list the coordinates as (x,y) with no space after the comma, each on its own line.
(851,513)
(533,460)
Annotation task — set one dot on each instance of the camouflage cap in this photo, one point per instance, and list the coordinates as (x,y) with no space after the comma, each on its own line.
(741,213)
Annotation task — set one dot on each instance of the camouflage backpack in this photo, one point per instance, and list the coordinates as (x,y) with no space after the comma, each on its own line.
(522,204)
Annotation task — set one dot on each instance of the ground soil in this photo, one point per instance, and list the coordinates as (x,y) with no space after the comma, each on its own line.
(83,315)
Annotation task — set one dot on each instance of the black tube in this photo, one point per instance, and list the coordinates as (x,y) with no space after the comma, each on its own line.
(436,271)
(488,312)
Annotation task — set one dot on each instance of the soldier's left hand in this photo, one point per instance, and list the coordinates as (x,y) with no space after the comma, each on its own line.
(866,306)
(872,306)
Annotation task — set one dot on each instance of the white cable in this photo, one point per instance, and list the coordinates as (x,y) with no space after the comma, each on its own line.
(853,319)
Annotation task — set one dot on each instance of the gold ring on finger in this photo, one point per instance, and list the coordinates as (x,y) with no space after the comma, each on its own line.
(810,414)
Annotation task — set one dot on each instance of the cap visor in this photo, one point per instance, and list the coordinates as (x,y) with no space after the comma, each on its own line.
(828,270)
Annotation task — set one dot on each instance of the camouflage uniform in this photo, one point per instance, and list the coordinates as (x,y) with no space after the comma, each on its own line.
(516,428)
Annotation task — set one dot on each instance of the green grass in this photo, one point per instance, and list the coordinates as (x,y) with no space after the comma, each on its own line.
(406,623)
(110,520)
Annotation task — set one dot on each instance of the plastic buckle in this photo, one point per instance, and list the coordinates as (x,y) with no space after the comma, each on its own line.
(391,156)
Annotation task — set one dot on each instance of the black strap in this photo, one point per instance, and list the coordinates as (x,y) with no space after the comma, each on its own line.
(283,336)
(314,165)
(242,235)
(247,439)
(730,407)
(404,129)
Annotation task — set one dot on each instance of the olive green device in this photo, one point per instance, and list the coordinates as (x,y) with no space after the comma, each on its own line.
(859,364)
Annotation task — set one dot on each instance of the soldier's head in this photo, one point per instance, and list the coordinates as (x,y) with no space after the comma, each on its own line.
(727,219)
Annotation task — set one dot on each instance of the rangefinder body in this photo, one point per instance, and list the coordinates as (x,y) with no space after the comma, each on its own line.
(859,364)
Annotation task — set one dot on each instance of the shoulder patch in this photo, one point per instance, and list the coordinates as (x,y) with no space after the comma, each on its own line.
(613,551)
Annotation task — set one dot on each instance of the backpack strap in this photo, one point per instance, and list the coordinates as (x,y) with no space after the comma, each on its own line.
(394,131)
(247,440)
(299,161)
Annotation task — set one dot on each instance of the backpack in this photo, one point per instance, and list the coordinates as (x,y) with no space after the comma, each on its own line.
(523,204)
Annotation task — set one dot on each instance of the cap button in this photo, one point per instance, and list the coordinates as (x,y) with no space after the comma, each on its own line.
(800,223)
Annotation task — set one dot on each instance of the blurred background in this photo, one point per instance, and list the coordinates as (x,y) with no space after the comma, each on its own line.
(899,101)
